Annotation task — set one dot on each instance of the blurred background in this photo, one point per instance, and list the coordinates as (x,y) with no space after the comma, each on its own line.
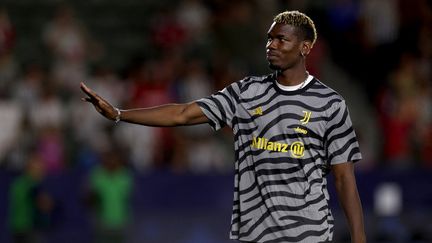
(69,175)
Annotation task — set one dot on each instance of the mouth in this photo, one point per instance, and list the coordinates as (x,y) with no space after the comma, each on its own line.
(271,55)
(272,59)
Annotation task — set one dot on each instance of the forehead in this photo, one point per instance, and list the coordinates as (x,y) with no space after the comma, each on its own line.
(282,29)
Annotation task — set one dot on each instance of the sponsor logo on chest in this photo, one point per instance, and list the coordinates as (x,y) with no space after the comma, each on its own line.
(296,149)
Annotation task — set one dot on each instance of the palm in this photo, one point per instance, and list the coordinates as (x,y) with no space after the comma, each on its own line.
(100,104)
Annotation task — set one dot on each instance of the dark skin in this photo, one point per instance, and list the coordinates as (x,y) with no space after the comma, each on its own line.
(349,199)
(286,52)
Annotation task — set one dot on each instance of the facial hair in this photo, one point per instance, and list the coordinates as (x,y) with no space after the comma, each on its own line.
(274,67)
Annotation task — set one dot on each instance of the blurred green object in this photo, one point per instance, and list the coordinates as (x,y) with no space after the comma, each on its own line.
(112,189)
(22,211)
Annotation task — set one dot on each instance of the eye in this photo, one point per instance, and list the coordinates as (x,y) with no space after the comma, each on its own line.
(282,39)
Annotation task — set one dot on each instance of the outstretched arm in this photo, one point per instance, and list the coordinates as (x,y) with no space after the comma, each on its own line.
(349,199)
(160,116)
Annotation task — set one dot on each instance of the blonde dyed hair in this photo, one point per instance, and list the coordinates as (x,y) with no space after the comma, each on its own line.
(300,20)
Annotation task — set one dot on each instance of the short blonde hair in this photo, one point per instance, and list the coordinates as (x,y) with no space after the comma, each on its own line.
(299,20)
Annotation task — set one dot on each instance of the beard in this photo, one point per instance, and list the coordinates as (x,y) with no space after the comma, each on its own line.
(281,66)
(274,67)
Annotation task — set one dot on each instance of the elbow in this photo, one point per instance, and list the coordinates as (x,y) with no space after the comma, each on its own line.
(180,120)
(180,117)
(345,183)
(188,114)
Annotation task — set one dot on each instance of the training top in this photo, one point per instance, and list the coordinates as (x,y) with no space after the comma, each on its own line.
(285,142)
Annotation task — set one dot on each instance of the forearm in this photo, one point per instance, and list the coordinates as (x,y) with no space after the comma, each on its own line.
(164,116)
(158,116)
(351,205)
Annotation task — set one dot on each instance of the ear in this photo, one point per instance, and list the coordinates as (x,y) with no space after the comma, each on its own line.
(306,47)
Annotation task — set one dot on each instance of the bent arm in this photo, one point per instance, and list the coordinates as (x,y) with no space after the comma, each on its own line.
(160,116)
(349,199)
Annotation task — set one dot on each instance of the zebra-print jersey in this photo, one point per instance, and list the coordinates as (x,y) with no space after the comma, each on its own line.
(285,142)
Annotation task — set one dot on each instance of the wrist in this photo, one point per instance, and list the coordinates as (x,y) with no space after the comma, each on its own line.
(117,118)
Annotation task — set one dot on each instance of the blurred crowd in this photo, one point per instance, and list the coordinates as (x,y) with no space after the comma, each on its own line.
(380,49)
(376,53)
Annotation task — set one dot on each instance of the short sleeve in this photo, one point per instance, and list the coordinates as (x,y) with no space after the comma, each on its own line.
(340,138)
(221,106)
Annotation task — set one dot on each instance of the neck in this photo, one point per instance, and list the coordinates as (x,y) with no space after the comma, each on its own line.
(291,77)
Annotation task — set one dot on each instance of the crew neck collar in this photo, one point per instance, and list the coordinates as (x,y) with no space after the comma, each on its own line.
(292,90)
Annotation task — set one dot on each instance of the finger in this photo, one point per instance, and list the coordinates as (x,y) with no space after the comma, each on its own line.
(87,90)
(87,99)
(91,93)
(83,86)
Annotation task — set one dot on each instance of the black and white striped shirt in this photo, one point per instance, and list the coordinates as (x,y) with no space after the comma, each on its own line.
(285,142)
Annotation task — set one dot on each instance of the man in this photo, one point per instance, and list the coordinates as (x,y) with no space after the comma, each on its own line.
(290,131)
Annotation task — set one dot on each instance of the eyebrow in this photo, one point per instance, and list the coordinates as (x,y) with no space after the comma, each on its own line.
(277,36)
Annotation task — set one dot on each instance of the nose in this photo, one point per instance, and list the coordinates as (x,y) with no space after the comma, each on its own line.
(270,44)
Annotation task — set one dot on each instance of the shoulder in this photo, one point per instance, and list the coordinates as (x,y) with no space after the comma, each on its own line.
(326,91)
(253,82)
(334,100)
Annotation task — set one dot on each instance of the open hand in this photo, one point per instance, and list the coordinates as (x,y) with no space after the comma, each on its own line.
(100,104)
